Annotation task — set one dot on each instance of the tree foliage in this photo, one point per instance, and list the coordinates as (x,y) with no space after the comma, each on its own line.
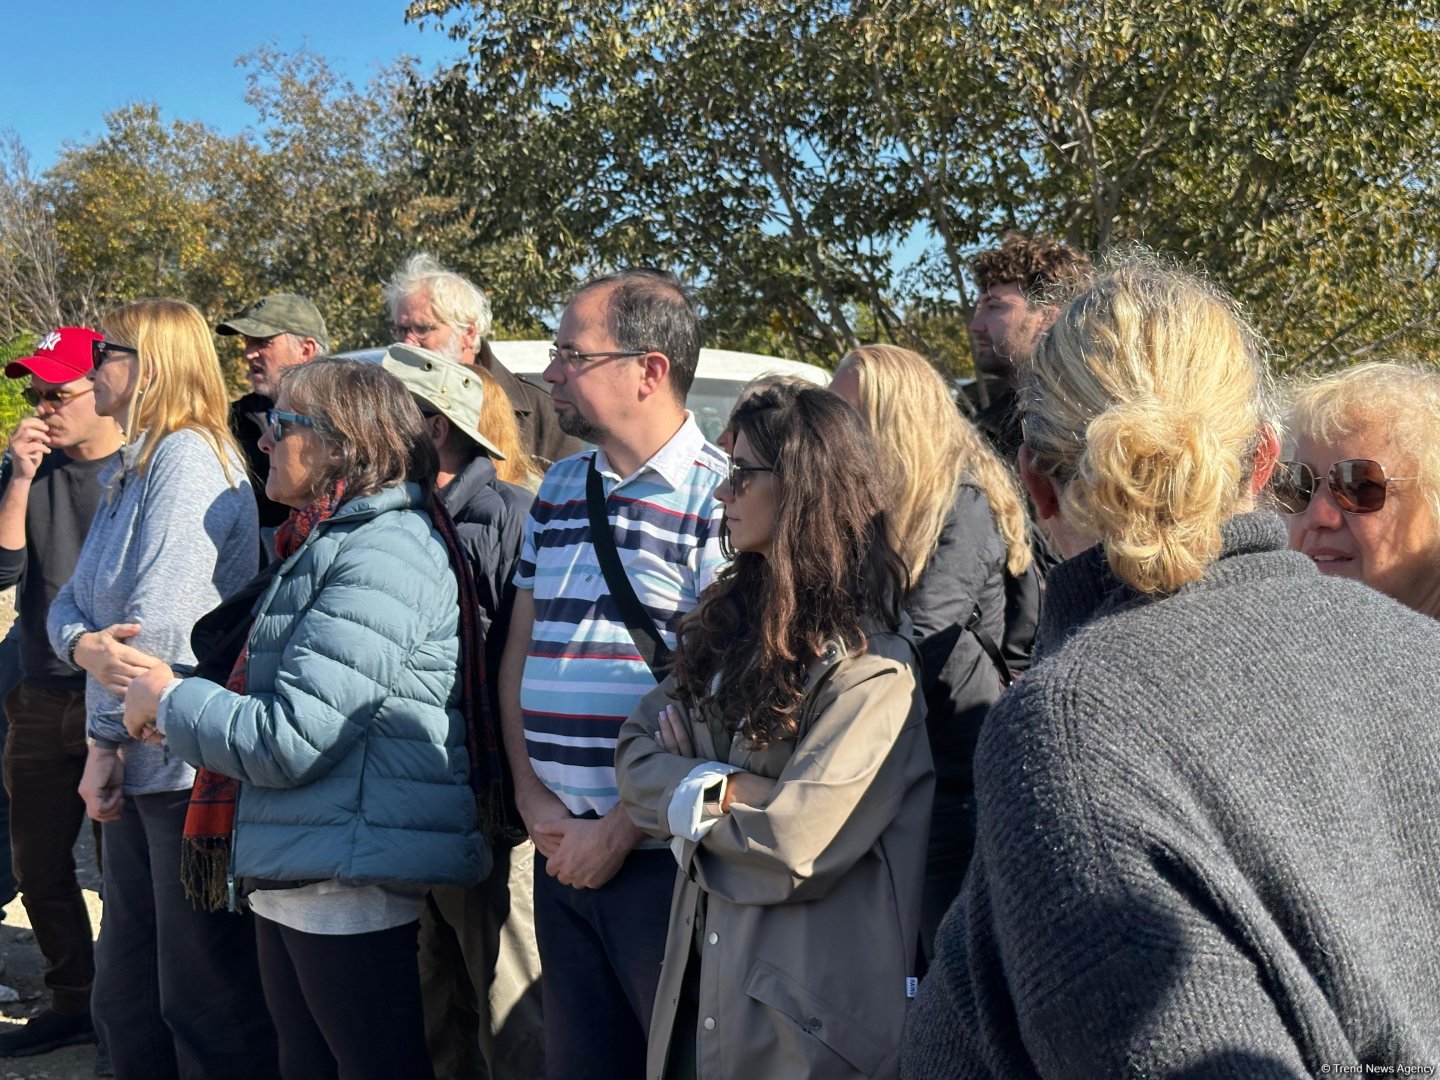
(822,170)
(825,168)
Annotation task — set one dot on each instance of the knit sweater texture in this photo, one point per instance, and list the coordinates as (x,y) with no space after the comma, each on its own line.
(1208,839)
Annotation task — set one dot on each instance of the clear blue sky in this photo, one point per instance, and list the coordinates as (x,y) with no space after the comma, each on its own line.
(66,63)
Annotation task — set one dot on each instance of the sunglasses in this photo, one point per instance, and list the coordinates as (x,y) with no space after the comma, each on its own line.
(739,476)
(280,422)
(54,398)
(1358,485)
(102,350)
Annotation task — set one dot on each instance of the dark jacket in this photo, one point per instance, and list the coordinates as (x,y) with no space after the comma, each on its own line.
(489,516)
(247,424)
(959,681)
(1207,841)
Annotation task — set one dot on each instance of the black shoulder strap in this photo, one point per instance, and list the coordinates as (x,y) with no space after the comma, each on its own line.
(652,647)
(987,643)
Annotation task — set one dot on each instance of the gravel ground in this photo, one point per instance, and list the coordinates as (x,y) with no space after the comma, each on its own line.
(21,965)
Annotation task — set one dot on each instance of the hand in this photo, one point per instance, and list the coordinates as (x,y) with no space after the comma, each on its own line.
(747,789)
(114,664)
(101,784)
(142,702)
(588,853)
(540,807)
(674,733)
(28,447)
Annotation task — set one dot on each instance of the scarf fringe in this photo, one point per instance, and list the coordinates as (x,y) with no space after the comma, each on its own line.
(205,872)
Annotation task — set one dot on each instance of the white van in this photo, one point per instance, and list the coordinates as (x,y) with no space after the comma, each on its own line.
(718,379)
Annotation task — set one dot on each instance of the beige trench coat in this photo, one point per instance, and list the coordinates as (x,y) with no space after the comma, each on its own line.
(814,897)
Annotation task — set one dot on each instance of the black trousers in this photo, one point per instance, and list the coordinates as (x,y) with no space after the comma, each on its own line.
(44,760)
(177,990)
(347,1006)
(600,951)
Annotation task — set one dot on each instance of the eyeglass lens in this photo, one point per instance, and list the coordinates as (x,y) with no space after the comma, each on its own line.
(1358,485)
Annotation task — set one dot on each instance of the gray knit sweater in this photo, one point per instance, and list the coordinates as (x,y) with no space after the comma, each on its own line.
(164,548)
(1209,837)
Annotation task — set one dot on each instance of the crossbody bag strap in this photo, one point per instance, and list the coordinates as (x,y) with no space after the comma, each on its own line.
(992,650)
(647,639)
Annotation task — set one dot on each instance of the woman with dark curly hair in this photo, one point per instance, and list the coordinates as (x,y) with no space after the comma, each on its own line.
(786,760)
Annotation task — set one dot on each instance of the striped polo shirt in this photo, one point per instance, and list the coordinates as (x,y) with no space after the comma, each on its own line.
(583,674)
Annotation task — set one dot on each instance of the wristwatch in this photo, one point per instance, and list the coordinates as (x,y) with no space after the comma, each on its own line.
(713,805)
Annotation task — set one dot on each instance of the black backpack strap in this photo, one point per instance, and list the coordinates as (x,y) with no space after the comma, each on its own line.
(653,650)
(972,624)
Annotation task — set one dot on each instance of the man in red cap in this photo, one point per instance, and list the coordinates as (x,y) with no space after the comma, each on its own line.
(49,491)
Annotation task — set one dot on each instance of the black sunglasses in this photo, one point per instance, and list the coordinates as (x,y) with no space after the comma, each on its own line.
(53,398)
(1359,485)
(102,350)
(739,477)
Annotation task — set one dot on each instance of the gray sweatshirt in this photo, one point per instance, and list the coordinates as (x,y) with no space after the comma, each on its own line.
(164,548)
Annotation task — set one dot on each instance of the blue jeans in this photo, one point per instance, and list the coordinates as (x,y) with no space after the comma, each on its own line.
(177,990)
(600,956)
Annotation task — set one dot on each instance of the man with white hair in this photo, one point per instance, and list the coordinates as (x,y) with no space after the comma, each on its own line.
(439,310)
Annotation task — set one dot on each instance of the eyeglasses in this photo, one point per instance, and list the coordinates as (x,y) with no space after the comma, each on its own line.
(1358,484)
(739,477)
(54,398)
(572,359)
(418,329)
(280,420)
(102,350)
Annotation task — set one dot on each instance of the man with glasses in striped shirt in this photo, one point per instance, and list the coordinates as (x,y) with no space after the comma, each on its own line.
(624,358)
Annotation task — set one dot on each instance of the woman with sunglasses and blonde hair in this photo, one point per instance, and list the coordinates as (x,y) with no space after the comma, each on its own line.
(1361,486)
(960,525)
(176,990)
(1207,842)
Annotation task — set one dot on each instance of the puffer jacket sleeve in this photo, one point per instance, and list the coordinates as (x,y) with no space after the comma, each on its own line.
(374,606)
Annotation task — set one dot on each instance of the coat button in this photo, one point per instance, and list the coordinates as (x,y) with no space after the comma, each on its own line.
(709,1023)
(812,1022)
(714,938)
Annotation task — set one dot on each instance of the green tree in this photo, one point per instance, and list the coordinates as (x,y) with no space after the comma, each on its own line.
(780,152)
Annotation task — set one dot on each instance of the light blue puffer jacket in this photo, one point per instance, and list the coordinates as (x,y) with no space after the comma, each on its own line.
(351,755)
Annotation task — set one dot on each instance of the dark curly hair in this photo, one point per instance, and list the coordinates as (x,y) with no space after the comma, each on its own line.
(831,567)
(1036,264)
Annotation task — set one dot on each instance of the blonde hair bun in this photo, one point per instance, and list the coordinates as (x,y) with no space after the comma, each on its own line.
(1145,403)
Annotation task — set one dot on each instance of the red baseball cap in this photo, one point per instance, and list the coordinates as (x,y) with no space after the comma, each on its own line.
(63,356)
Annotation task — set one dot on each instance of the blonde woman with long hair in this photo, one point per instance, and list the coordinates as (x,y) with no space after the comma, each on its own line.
(176,990)
(959,525)
(1207,838)
(498,424)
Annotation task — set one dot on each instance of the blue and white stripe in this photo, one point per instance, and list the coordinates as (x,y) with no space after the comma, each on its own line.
(583,675)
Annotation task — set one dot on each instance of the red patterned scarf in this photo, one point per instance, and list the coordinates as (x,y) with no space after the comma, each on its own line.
(210,820)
